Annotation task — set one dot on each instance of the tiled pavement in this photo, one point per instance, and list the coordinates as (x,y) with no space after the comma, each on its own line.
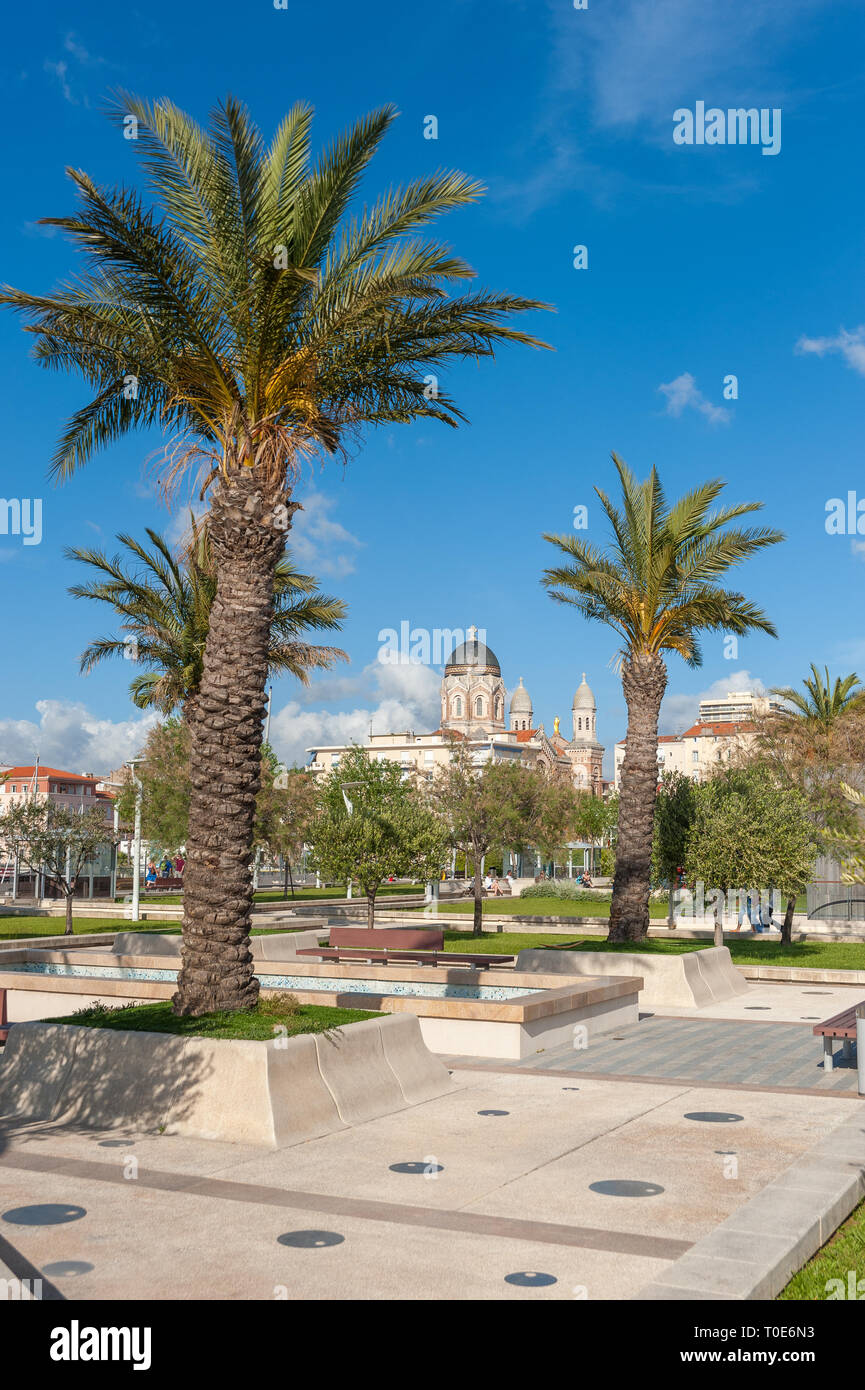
(725,1052)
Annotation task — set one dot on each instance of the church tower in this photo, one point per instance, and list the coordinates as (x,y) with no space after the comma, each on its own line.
(584,751)
(521,708)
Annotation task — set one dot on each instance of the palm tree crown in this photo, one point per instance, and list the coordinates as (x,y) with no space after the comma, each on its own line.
(656,583)
(820,704)
(245,314)
(165,605)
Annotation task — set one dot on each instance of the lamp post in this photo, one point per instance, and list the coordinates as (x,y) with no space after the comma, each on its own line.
(349,806)
(132,764)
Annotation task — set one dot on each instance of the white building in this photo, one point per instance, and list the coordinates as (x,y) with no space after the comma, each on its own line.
(738,706)
(699,751)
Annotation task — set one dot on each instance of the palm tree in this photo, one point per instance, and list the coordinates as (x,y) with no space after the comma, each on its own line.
(165,603)
(821,703)
(256,323)
(655,585)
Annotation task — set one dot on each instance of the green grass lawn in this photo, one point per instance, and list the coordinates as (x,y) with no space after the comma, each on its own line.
(18,928)
(817,955)
(844,1252)
(276,895)
(542,907)
(280,1011)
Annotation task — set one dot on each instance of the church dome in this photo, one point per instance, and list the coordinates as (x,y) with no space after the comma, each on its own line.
(584,698)
(521,700)
(472,656)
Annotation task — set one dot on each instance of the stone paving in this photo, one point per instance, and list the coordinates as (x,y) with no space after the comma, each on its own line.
(598,1186)
(691,1050)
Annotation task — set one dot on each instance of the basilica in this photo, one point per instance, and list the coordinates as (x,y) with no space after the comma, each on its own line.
(473,698)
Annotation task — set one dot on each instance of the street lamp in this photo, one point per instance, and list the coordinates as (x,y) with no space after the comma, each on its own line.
(349,806)
(132,764)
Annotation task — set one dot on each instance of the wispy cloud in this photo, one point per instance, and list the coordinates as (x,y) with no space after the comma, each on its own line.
(683,394)
(66,71)
(851,347)
(319,543)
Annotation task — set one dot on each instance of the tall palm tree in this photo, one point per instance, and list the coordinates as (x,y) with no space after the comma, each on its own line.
(256,322)
(165,602)
(821,703)
(655,586)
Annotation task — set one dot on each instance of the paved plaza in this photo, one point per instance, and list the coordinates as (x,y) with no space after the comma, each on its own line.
(536,1182)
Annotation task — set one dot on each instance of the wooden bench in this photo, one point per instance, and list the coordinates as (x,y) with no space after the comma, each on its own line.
(420,947)
(842,1026)
(164,885)
(4,1020)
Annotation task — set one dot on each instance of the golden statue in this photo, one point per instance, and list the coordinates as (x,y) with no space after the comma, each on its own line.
(556,725)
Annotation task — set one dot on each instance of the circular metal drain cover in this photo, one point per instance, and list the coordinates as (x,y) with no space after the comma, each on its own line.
(625,1187)
(529,1279)
(809,1018)
(494,1112)
(816,991)
(114,1143)
(310,1240)
(420,1167)
(570,1088)
(65,1269)
(764,1007)
(49,1214)
(714,1117)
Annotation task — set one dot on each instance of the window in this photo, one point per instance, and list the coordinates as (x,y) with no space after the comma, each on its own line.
(458,707)
(695,756)
(479,707)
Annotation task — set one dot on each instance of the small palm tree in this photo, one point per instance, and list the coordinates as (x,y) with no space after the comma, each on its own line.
(821,703)
(255,320)
(656,586)
(165,602)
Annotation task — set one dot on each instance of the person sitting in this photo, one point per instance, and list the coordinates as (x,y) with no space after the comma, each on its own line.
(496,887)
(150,872)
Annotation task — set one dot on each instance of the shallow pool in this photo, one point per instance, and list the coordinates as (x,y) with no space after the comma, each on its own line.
(324,984)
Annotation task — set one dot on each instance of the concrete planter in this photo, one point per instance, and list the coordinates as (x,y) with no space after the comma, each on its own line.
(691,979)
(270,1093)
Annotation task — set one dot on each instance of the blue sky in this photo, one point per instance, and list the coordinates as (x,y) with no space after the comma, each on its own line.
(703,261)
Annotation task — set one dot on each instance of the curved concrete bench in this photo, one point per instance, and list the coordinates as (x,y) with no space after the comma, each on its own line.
(280,946)
(270,1093)
(691,979)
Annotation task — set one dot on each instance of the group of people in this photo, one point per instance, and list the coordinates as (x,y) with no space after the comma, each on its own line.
(166,868)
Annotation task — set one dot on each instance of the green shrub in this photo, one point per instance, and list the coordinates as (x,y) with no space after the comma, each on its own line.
(559,888)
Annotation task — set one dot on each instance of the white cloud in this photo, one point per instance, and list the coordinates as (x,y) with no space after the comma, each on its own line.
(640,62)
(850,345)
(679,712)
(400,697)
(60,71)
(318,543)
(683,394)
(69,737)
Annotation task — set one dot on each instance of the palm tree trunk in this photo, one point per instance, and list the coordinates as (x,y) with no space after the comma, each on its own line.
(644,679)
(225,755)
